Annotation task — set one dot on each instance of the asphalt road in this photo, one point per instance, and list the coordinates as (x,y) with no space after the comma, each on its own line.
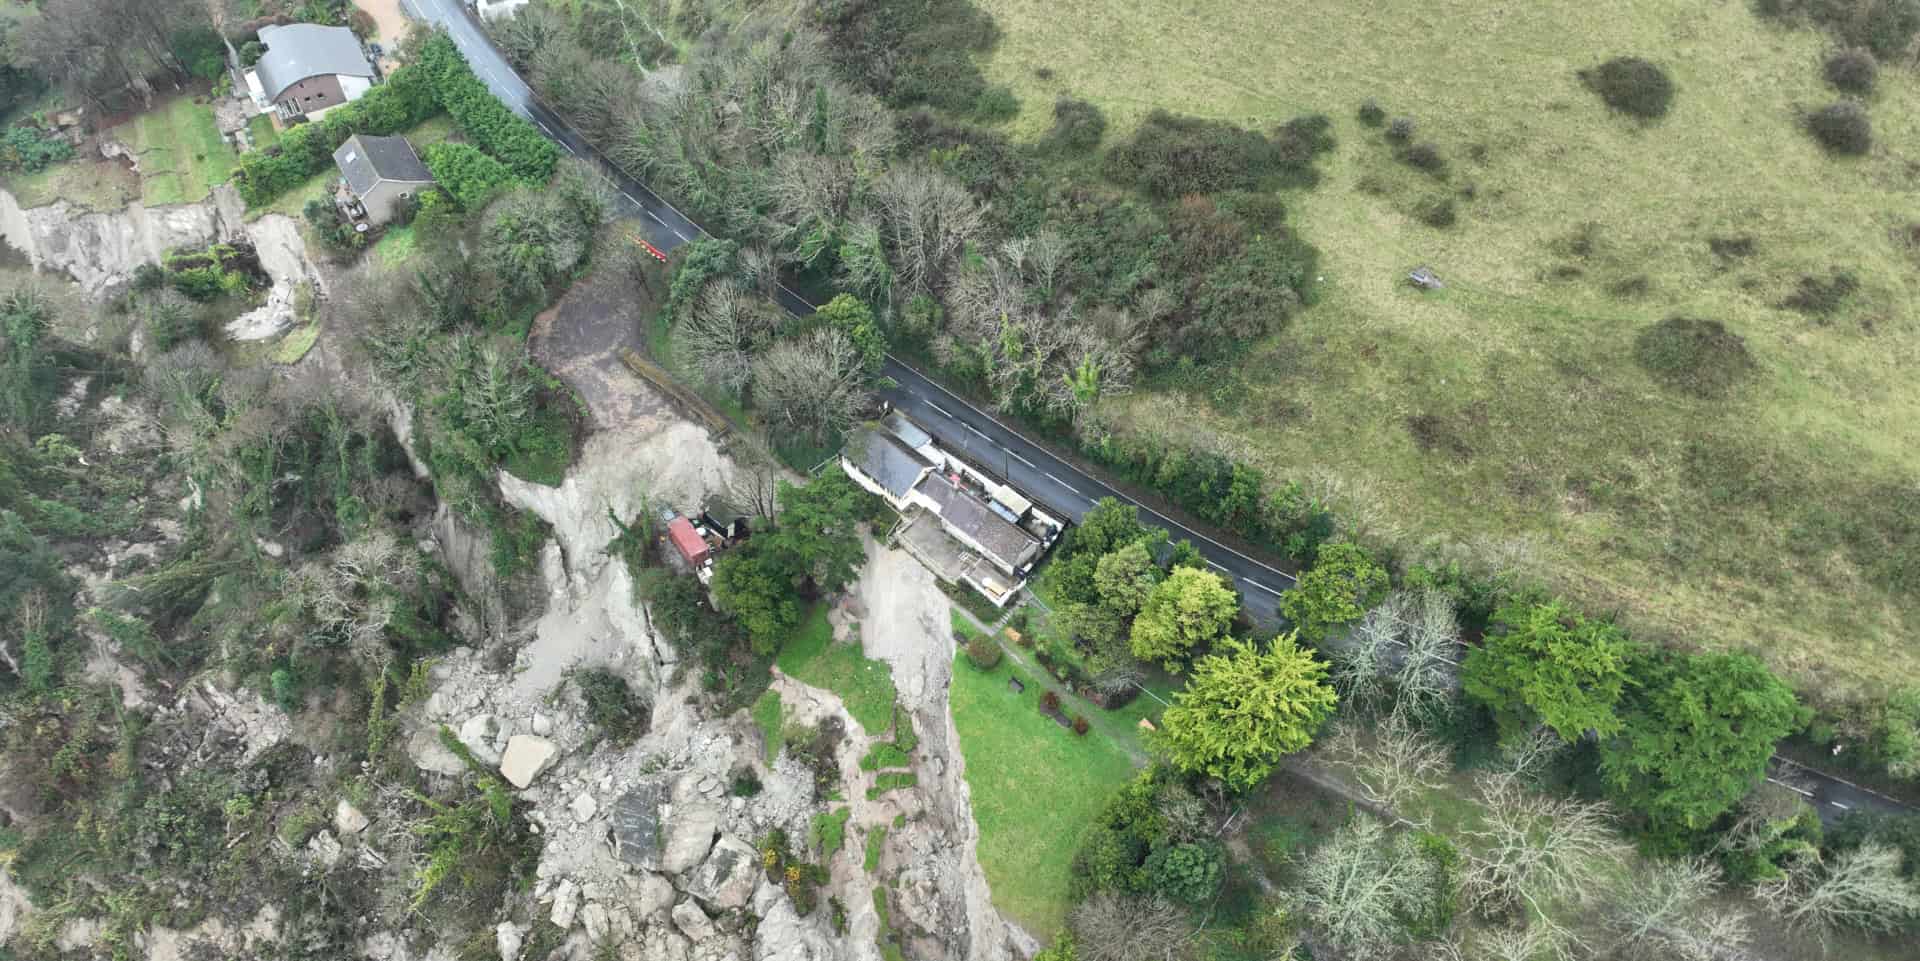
(992,445)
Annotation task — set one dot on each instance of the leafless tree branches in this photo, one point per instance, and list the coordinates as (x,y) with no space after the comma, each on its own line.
(1862,888)
(1668,913)
(813,384)
(1114,927)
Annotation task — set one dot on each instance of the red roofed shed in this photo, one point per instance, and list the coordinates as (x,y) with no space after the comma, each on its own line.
(687,541)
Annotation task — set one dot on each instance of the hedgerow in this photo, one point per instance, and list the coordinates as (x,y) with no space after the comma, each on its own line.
(470,177)
(438,79)
(486,121)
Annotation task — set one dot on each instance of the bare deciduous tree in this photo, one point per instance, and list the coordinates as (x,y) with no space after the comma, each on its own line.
(1532,848)
(813,384)
(723,334)
(1398,764)
(928,219)
(1358,886)
(1405,649)
(355,592)
(1862,888)
(1668,912)
(1114,927)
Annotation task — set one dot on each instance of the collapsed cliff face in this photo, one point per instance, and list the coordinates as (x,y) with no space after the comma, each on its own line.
(100,250)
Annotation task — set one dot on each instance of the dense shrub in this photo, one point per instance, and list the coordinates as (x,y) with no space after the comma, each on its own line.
(1050,702)
(1439,213)
(219,269)
(1171,156)
(996,104)
(1842,127)
(1227,493)
(1078,126)
(1424,156)
(334,230)
(1080,725)
(1372,114)
(470,177)
(985,161)
(1186,873)
(1401,130)
(983,653)
(612,705)
(486,121)
(1853,70)
(913,53)
(1632,86)
(1699,357)
(1885,27)
(26,148)
(1820,298)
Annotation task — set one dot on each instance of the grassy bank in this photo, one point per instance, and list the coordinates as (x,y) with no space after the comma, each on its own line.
(1034,785)
(1506,417)
(865,685)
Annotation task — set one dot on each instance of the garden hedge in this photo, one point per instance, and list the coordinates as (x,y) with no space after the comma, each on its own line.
(439,78)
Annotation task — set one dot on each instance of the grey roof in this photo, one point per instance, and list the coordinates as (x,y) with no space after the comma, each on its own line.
(882,457)
(965,514)
(909,432)
(301,50)
(366,160)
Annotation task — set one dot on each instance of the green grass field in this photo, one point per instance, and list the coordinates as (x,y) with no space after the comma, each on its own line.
(1034,784)
(863,684)
(1504,419)
(181,154)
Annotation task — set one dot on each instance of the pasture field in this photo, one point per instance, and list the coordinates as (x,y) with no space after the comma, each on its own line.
(1506,419)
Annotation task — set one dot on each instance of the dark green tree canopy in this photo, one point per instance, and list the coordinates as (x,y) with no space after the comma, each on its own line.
(1546,664)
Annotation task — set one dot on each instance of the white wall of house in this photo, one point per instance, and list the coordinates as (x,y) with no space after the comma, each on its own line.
(353,87)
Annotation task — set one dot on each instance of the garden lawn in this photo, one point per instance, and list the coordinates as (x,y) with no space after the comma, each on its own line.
(263,132)
(1504,419)
(182,156)
(1034,786)
(865,685)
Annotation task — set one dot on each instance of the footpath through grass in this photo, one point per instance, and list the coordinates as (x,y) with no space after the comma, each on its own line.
(1035,785)
(865,685)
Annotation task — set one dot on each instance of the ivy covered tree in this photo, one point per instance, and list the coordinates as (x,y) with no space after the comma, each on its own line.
(1343,582)
(1244,708)
(1546,664)
(1695,736)
(1191,609)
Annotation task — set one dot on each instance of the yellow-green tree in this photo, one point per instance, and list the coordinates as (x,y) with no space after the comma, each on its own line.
(1245,708)
(1189,609)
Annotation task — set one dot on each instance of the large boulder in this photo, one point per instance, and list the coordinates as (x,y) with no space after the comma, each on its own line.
(508,939)
(478,734)
(655,896)
(785,936)
(636,825)
(692,921)
(727,877)
(347,819)
(689,831)
(566,903)
(527,757)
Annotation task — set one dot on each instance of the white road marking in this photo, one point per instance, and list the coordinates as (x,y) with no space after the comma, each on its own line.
(1797,790)
(942,410)
(977,432)
(1839,805)
(1063,483)
(630,199)
(683,237)
(656,218)
(1022,460)
(1253,583)
(1215,565)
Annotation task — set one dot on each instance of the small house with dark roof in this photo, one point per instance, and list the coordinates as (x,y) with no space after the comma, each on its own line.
(380,174)
(308,69)
(880,462)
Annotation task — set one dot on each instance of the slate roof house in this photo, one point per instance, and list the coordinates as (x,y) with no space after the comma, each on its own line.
(964,525)
(380,173)
(308,69)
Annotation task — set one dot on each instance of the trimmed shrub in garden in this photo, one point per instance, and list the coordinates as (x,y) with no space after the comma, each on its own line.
(1842,127)
(1853,70)
(470,177)
(1632,86)
(486,121)
(983,653)
(1699,357)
